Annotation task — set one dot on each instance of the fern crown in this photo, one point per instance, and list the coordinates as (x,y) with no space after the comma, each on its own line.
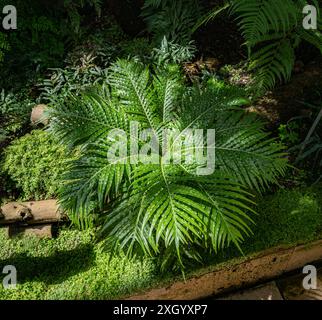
(160,208)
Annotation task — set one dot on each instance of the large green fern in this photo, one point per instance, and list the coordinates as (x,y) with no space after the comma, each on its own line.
(272,29)
(165,209)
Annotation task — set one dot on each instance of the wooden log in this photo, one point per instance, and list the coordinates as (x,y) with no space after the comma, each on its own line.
(38,115)
(30,213)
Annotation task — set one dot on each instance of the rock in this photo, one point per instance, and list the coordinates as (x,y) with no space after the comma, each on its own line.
(293,289)
(38,115)
(264,292)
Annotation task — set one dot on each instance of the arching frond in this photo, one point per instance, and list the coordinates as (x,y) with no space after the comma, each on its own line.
(272,30)
(84,119)
(165,208)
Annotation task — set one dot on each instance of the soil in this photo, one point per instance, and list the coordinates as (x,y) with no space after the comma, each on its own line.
(287,101)
(222,40)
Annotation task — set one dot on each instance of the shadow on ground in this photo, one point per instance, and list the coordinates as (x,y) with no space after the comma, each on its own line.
(52,269)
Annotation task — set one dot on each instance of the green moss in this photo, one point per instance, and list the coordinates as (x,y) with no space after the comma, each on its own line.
(72,267)
(286,218)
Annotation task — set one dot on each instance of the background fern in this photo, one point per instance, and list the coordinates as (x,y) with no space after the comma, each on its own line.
(171,19)
(273,30)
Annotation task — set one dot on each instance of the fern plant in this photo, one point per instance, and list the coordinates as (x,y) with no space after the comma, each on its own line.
(172,53)
(171,19)
(15,110)
(165,209)
(272,30)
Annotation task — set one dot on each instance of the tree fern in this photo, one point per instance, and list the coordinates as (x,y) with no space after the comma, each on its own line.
(165,209)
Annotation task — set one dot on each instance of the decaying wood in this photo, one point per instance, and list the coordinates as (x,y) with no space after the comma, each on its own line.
(31,213)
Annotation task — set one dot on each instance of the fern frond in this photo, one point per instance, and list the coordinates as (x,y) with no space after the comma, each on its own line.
(83,119)
(273,61)
(272,30)
(260,17)
(131,83)
(92,180)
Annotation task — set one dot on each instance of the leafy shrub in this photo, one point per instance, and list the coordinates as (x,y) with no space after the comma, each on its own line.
(162,208)
(103,43)
(35,162)
(171,19)
(15,110)
(46,30)
(71,79)
(87,64)
(172,53)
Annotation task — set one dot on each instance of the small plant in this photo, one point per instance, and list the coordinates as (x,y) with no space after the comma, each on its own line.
(311,148)
(289,133)
(172,53)
(15,112)
(35,162)
(72,79)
